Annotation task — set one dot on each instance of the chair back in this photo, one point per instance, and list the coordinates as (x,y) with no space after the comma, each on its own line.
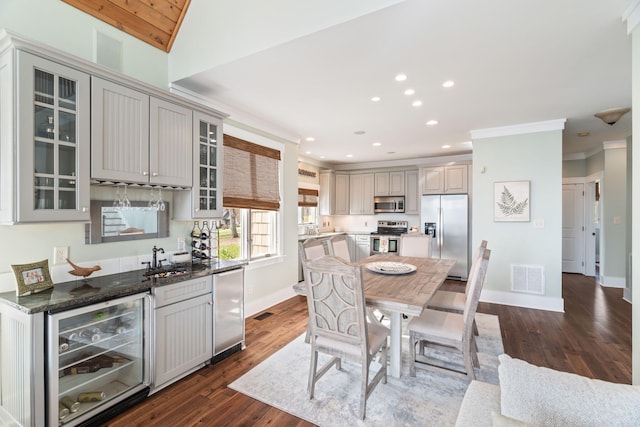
(335,298)
(310,249)
(415,245)
(339,247)
(474,284)
(477,256)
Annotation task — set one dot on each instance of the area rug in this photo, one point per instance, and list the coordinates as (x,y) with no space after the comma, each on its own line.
(428,399)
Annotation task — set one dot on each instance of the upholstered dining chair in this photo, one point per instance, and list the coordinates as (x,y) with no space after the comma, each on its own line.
(339,247)
(452,330)
(416,245)
(455,301)
(338,325)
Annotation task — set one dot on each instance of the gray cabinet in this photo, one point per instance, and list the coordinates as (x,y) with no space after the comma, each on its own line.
(334,193)
(204,199)
(412,194)
(389,183)
(44,143)
(183,319)
(444,180)
(362,246)
(137,138)
(361,189)
(228,296)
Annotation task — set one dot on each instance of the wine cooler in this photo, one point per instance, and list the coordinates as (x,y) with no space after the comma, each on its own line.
(98,358)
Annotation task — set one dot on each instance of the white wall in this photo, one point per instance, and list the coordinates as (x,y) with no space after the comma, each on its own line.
(536,157)
(63,27)
(614,213)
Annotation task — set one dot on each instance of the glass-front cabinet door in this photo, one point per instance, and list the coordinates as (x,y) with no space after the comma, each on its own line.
(53,136)
(207,178)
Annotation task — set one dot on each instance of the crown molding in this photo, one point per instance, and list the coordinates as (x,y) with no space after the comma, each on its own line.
(618,143)
(631,16)
(520,129)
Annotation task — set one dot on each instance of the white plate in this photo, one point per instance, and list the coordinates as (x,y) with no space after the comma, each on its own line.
(388,267)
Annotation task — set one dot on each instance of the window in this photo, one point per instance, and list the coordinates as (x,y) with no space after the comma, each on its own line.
(249,229)
(248,234)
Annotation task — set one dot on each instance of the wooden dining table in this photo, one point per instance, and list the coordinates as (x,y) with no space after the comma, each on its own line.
(399,294)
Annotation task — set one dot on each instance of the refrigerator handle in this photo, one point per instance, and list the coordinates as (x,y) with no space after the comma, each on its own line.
(439,231)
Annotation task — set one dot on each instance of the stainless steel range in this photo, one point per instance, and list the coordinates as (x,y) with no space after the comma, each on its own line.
(386,239)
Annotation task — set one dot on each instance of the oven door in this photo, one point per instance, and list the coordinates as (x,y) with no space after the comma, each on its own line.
(393,245)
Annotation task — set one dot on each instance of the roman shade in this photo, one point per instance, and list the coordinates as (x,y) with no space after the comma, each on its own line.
(307,197)
(251,175)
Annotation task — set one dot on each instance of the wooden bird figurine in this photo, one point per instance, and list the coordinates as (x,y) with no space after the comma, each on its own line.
(82,271)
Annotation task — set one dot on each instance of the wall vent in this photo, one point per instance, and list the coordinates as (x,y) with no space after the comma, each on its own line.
(527,279)
(108,51)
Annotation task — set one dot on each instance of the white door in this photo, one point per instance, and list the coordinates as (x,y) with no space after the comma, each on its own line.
(573,228)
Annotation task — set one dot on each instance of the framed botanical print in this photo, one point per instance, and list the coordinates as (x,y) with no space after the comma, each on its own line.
(511,201)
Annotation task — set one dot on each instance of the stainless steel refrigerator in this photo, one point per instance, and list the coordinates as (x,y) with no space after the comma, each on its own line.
(446,219)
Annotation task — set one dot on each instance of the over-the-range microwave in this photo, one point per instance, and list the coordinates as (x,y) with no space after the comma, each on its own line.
(391,204)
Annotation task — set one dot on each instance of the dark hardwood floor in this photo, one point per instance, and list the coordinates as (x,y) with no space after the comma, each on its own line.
(592,338)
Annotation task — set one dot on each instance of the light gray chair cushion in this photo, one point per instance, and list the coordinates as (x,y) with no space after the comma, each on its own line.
(448,300)
(438,323)
(545,397)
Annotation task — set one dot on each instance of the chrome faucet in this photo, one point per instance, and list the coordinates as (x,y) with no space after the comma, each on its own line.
(154,263)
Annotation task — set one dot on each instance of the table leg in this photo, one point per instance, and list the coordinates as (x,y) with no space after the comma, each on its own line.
(395,345)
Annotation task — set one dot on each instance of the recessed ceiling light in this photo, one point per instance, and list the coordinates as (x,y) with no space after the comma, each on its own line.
(359,132)
(446,146)
(416,103)
(401,77)
(307,152)
(409,92)
(322,157)
(376,99)
(310,139)
(432,122)
(448,83)
(377,144)
(582,134)
(349,155)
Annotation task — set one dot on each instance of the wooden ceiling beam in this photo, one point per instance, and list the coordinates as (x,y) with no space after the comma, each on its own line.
(155,22)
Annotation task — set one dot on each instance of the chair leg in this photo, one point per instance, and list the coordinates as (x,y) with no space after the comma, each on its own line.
(307,336)
(468,362)
(475,327)
(363,389)
(412,353)
(474,353)
(312,373)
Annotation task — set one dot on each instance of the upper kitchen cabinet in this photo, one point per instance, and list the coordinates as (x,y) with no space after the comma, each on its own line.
(361,189)
(44,140)
(389,184)
(137,138)
(412,195)
(204,199)
(444,180)
(334,193)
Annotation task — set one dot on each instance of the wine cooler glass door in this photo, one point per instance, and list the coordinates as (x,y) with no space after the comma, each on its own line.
(97,357)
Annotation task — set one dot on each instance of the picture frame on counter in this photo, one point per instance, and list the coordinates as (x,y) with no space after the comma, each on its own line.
(32,277)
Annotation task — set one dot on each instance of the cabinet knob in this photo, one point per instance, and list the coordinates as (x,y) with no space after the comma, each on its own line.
(154,174)
(145,173)
(197,209)
(210,302)
(84,209)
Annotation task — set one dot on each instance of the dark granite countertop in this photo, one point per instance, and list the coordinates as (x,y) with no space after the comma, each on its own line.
(78,293)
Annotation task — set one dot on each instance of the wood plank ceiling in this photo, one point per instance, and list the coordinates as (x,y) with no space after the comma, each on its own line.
(153,21)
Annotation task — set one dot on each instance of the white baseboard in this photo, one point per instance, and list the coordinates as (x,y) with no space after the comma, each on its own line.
(252,307)
(523,300)
(613,282)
